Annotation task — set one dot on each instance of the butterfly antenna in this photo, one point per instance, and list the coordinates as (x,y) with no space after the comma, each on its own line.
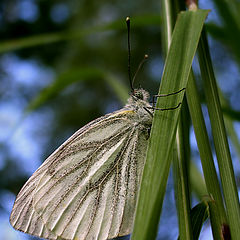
(139,67)
(129,53)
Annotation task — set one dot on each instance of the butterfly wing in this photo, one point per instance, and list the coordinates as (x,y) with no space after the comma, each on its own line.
(87,188)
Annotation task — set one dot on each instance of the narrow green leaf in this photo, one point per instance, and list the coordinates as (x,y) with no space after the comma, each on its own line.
(232,134)
(64,80)
(204,147)
(229,122)
(216,223)
(167,24)
(199,215)
(25,42)
(220,138)
(182,153)
(201,212)
(181,180)
(120,90)
(178,64)
(75,75)
(198,185)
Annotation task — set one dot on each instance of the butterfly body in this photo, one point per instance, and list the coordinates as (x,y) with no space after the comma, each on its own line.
(87,189)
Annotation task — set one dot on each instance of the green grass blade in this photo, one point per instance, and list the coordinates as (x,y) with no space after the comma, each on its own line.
(181,163)
(204,147)
(181,179)
(167,24)
(220,139)
(216,223)
(119,89)
(198,185)
(201,212)
(178,64)
(199,215)
(182,153)
(41,39)
(61,82)
(232,134)
(73,76)
(229,123)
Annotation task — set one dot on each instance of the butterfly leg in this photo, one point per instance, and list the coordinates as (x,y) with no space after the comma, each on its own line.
(166,95)
(164,109)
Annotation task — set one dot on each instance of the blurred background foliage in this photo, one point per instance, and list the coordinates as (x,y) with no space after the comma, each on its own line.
(64,63)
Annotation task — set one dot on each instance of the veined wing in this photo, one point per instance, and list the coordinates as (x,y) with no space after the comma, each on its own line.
(87,188)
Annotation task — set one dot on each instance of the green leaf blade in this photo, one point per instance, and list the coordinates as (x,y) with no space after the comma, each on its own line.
(220,138)
(178,64)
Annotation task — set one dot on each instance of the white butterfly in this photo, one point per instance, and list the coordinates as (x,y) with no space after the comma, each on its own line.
(87,189)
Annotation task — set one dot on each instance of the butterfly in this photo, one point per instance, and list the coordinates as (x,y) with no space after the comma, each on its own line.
(87,189)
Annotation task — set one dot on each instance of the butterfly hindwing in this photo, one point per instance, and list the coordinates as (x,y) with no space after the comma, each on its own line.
(87,188)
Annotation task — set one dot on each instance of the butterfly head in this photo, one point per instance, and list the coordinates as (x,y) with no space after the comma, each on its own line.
(140,94)
(139,102)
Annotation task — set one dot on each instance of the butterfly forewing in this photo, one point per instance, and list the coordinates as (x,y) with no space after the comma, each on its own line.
(87,189)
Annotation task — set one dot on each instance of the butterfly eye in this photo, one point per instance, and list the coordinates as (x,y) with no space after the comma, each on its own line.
(139,95)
